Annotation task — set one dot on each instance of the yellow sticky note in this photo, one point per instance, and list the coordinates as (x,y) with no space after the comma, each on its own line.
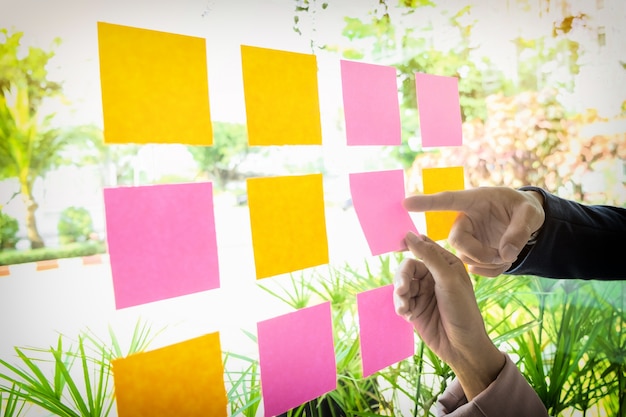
(281,94)
(154,86)
(185,379)
(439,223)
(288,223)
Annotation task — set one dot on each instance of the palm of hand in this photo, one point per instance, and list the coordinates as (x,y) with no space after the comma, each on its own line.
(440,315)
(426,317)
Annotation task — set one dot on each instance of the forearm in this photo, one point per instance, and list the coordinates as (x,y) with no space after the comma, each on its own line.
(477,369)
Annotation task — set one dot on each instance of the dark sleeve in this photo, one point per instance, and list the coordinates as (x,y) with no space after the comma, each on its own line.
(576,241)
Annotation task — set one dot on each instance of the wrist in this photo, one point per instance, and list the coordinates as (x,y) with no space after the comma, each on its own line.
(476,372)
(537,199)
(536,195)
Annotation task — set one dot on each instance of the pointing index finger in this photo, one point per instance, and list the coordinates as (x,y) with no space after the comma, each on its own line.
(443,201)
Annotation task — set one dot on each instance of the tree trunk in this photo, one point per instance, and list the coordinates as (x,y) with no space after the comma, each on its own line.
(31,222)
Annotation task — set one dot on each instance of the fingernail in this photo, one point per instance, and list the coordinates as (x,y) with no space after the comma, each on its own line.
(413,237)
(509,253)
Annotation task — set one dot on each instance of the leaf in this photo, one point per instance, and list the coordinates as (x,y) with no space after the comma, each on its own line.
(32,388)
(13,404)
(71,385)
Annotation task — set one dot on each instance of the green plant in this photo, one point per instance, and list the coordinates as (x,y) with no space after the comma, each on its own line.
(554,356)
(29,144)
(13,405)
(611,346)
(567,337)
(70,250)
(244,394)
(142,336)
(243,382)
(69,392)
(297,295)
(60,395)
(555,331)
(333,286)
(372,276)
(8,231)
(75,225)
(355,394)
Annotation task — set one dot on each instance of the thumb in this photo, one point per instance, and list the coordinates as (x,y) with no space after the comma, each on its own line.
(439,261)
(516,234)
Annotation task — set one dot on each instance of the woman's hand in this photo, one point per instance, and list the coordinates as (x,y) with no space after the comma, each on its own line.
(436,295)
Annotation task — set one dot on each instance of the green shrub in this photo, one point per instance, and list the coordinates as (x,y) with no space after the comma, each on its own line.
(75,225)
(566,336)
(80,383)
(8,231)
(71,250)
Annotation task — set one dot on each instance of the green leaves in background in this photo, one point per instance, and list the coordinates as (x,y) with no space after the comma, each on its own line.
(70,381)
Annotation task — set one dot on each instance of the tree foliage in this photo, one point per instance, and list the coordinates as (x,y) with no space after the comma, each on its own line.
(28,148)
(222,160)
(516,131)
(29,69)
(8,231)
(411,49)
(117,162)
(29,143)
(75,225)
(528,139)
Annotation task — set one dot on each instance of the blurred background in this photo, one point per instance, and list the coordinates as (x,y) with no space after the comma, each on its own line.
(542,87)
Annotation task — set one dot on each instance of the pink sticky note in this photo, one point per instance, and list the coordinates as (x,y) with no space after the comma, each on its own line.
(385,337)
(296,358)
(161,241)
(370,100)
(377,198)
(439,110)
